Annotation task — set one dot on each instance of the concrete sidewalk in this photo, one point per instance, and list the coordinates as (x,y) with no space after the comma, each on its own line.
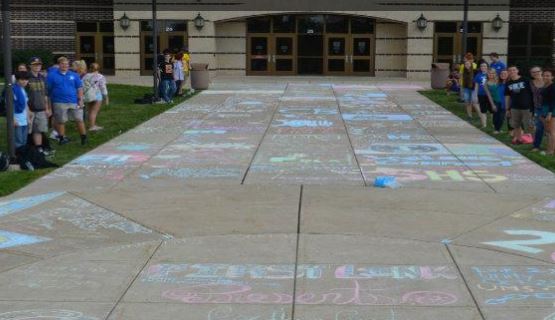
(254,200)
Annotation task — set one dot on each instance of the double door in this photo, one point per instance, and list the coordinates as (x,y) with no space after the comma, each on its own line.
(448,46)
(97,47)
(174,41)
(271,54)
(349,54)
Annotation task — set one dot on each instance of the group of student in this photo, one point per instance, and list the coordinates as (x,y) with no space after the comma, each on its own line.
(49,98)
(173,72)
(527,104)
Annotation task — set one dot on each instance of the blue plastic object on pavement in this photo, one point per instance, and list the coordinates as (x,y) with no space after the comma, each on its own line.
(385,182)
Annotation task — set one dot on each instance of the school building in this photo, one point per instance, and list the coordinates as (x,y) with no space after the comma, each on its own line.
(390,39)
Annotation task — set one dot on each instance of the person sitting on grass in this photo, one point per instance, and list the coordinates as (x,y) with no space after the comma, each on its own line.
(519,102)
(453,82)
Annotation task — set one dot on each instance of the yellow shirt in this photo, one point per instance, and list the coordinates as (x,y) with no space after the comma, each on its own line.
(186,62)
(461,71)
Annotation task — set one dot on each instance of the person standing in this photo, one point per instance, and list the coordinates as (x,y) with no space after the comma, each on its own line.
(480,80)
(186,62)
(549,109)
(519,102)
(500,115)
(167,82)
(21,108)
(95,92)
(38,104)
(537,86)
(467,85)
(65,90)
(179,73)
(494,99)
(496,63)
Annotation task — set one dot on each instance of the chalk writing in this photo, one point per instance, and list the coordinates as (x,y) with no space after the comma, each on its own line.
(352,295)
(13,206)
(13,239)
(304,123)
(396,272)
(544,238)
(376,117)
(53,314)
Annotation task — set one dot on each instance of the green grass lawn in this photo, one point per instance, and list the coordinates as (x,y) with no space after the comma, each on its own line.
(450,103)
(120,116)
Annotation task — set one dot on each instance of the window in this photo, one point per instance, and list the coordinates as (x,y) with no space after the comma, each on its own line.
(362,25)
(86,27)
(259,25)
(530,44)
(284,24)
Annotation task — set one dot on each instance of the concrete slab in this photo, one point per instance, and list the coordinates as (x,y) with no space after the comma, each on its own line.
(200,212)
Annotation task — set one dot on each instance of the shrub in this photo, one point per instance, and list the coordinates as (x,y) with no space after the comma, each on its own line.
(23,56)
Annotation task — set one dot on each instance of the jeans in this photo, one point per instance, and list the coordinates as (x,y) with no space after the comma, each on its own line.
(21,136)
(168,89)
(498,118)
(540,130)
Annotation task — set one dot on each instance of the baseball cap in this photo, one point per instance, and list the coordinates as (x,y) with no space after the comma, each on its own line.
(35,60)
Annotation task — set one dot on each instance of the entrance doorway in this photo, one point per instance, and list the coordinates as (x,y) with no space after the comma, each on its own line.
(172,35)
(310,44)
(95,43)
(448,41)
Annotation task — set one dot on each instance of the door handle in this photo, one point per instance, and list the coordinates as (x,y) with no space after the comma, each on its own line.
(274,58)
(346,58)
(269,58)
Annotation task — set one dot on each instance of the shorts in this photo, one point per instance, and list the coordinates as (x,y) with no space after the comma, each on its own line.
(65,111)
(467,97)
(485,105)
(98,96)
(520,118)
(40,122)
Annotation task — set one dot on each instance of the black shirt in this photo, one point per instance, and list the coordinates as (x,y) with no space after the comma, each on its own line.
(549,98)
(166,70)
(521,94)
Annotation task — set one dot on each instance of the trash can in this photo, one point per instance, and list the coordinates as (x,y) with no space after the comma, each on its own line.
(439,75)
(200,77)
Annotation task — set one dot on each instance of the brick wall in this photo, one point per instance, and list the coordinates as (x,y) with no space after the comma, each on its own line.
(52,25)
(534,11)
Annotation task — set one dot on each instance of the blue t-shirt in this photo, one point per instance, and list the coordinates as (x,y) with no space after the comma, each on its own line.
(481,79)
(498,66)
(62,88)
(20,101)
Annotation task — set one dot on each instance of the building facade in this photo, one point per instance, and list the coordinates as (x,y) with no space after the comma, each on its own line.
(382,42)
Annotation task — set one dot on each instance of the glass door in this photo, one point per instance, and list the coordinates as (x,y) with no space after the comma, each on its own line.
(147,54)
(107,60)
(445,48)
(259,57)
(87,47)
(283,57)
(337,56)
(362,55)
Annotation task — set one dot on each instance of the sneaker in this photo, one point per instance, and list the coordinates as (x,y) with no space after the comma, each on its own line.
(28,166)
(84,140)
(496,132)
(63,140)
(95,128)
(54,135)
(48,153)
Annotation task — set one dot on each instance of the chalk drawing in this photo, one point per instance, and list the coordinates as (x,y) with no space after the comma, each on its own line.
(13,239)
(13,206)
(396,272)
(204,131)
(352,295)
(304,123)
(550,204)
(544,238)
(550,317)
(376,117)
(52,314)
(133,147)
(109,159)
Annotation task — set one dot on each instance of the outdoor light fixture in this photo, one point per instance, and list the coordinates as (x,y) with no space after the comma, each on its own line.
(199,22)
(124,21)
(497,23)
(422,22)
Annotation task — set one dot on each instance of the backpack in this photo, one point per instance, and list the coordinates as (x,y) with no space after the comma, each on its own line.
(29,158)
(90,89)
(4,162)
(3,110)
